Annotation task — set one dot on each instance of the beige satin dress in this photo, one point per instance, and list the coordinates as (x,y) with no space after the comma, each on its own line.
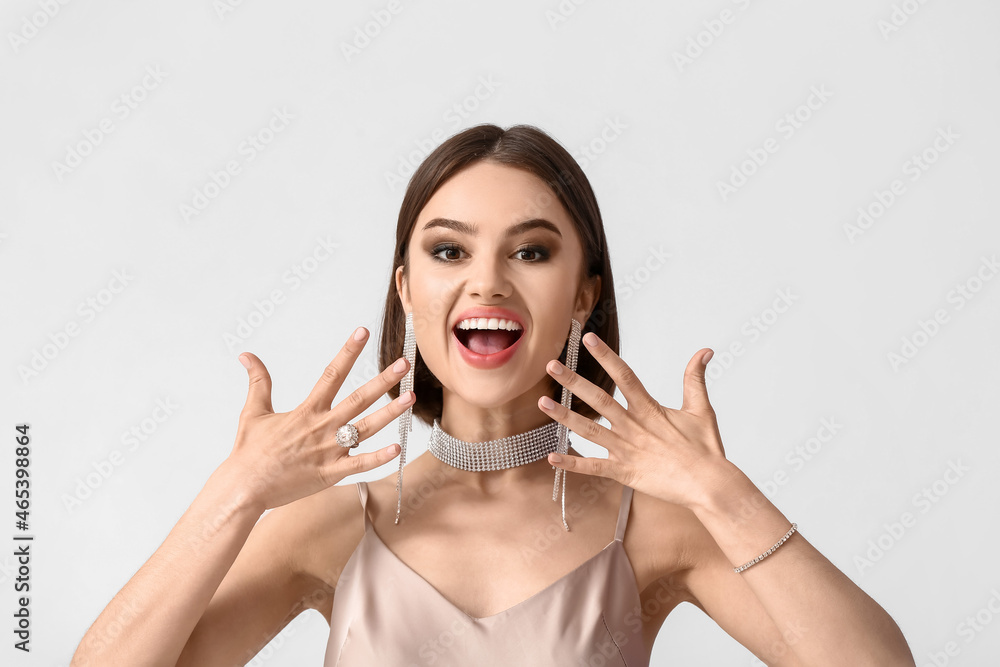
(386,614)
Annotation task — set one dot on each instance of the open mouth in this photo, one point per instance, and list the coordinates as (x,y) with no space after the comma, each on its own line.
(487,335)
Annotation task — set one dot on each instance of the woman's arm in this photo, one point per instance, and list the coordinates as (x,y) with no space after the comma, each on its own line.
(151,618)
(821,616)
(678,457)
(277,459)
(275,577)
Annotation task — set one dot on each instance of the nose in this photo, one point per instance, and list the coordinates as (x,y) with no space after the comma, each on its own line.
(487,279)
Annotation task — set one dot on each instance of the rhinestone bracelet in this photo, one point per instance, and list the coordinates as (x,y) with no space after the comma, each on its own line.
(767,553)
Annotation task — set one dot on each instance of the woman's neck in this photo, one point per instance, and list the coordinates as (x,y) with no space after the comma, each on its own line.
(474,423)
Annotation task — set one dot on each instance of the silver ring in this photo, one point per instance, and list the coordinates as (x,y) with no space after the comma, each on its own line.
(347,436)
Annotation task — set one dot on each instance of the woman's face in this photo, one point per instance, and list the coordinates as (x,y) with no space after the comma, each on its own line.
(494,242)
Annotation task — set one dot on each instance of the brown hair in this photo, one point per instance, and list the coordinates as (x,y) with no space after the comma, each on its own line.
(529,148)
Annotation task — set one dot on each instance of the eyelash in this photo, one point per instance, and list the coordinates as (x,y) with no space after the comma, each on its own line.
(541,252)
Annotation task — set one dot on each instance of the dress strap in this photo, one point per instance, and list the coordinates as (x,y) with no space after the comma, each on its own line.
(623,513)
(363,493)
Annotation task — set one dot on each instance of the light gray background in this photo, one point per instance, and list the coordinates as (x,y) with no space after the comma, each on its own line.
(670,134)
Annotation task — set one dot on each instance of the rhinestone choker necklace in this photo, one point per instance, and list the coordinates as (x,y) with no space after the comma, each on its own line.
(514,450)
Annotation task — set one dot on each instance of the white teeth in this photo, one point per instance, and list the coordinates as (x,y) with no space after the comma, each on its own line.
(484,323)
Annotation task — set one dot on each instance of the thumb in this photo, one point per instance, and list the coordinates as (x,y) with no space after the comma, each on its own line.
(695,389)
(259,391)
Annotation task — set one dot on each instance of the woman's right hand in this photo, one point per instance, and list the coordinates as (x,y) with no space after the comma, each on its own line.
(281,457)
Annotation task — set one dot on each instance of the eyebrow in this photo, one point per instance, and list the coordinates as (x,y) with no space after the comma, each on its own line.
(513,230)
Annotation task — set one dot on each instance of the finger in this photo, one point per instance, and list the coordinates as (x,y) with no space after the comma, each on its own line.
(574,421)
(362,397)
(371,424)
(333,377)
(356,463)
(259,392)
(585,464)
(625,379)
(594,396)
(695,389)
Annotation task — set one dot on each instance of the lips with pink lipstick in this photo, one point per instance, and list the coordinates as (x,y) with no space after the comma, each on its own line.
(484,335)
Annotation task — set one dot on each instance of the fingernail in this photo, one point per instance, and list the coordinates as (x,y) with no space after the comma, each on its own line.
(707,356)
(555,368)
(590,340)
(555,458)
(360,333)
(399,366)
(406,398)
(548,403)
(392,449)
(245,360)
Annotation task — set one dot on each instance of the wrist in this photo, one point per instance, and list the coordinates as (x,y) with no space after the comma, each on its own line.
(737,514)
(727,494)
(234,483)
(722,486)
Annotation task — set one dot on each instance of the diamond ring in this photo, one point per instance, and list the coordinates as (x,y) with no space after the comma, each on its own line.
(347,436)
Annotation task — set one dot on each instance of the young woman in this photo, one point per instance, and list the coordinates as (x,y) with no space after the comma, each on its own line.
(500,250)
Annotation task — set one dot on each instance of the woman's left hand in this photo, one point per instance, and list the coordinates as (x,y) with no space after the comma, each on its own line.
(674,455)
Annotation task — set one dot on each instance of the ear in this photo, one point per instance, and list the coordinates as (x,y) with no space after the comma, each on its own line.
(402,289)
(586,299)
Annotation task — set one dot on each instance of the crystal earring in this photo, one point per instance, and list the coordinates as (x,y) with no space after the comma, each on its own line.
(405,420)
(562,444)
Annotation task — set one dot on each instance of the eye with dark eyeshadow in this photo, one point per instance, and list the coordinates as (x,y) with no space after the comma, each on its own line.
(539,253)
(452,248)
(453,252)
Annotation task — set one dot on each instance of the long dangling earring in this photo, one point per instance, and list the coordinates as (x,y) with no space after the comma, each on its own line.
(405,420)
(562,445)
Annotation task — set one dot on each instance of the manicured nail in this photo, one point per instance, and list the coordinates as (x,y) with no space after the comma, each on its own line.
(555,458)
(548,403)
(406,398)
(360,333)
(555,368)
(392,449)
(399,366)
(707,356)
(590,339)
(245,360)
